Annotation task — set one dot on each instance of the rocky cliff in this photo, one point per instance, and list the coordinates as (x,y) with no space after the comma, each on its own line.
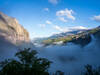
(11,30)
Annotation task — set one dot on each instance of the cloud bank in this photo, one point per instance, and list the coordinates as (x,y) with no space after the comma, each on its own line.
(72,58)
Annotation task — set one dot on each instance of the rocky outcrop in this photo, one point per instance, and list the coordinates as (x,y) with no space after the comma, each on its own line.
(11,30)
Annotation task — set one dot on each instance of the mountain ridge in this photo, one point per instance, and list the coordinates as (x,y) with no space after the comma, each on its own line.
(11,30)
(82,38)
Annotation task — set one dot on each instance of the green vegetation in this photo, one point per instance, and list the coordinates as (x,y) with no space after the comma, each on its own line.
(48,42)
(73,38)
(90,71)
(94,30)
(63,39)
(26,64)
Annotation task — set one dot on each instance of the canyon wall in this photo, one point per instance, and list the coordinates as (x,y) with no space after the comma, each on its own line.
(11,30)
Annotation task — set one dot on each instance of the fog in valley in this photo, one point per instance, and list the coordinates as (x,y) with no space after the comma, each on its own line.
(7,49)
(72,58)
(69,58)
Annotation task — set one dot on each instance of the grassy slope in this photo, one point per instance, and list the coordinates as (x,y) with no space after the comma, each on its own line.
(74,38)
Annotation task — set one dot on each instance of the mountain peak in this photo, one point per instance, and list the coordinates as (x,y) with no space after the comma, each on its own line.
(1,13)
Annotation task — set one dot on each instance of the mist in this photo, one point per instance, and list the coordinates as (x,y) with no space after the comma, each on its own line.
(7,49)
(69,58)
(72,58)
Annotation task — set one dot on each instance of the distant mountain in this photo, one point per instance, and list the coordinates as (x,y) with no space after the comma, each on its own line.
(82,38)
(54,36)
(67,33)
(11,30)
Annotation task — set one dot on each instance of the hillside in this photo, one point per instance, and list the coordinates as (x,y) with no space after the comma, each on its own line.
(55,36)
(82,38)
(11,30)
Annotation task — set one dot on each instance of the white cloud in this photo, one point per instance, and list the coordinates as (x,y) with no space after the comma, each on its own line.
(46,9)
(62,19)
(77,28)
(65,14)
(96,18)
(42,25)
(53,1)
(67,29)
(48,22)
(59,28)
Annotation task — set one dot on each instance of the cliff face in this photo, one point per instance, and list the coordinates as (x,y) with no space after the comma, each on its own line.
(11,30)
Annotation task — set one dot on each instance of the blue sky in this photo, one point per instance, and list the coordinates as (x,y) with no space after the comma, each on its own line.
(46,17)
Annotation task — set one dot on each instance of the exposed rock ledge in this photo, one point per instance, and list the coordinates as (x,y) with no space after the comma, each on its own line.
(11,30)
